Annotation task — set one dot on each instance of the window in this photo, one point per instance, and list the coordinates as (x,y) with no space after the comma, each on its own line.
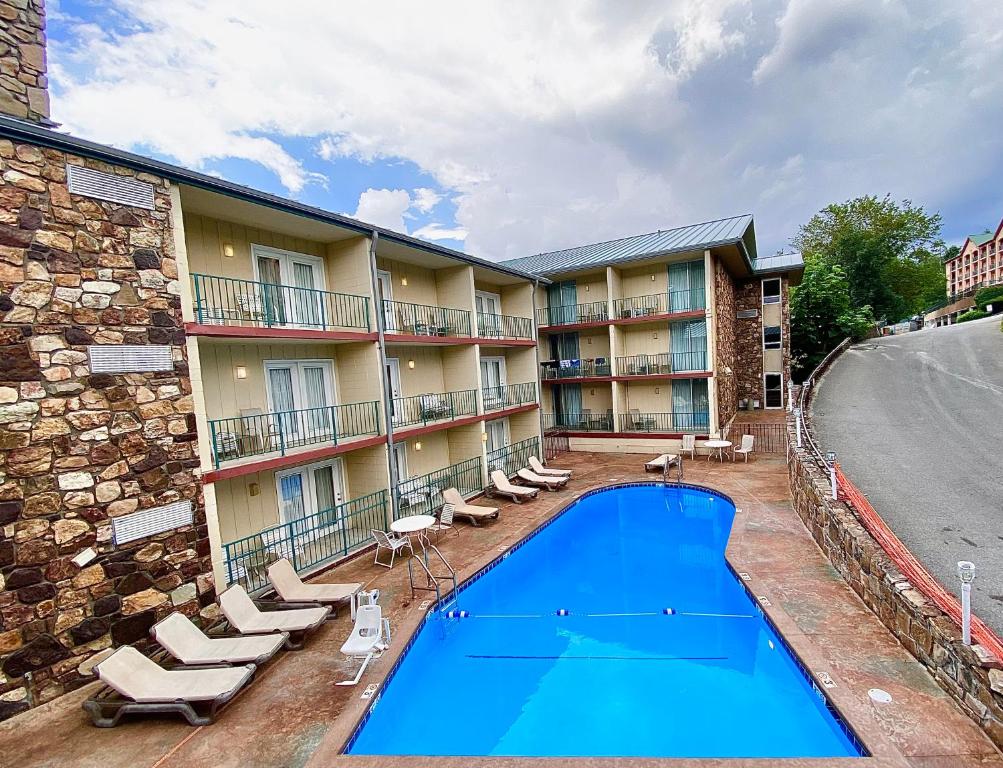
(290,287)
(688,342)
(493,382)
(300,393)
(771,291)
(771,337)
(306,492)
(773,385)
(488,306)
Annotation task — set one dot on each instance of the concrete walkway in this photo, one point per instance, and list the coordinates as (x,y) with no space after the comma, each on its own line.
(294,715)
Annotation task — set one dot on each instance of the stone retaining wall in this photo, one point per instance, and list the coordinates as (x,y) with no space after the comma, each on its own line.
(23,80)
(969,674)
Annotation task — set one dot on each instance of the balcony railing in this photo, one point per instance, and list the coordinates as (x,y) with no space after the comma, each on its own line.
(229,301)
(430,407)
(307,541)
(423,495)
(664,422)
(424,320)
(586,421)
(511,458)
(493,326)
(575,369)
(666,362)
(253,435)
(498,398)
(660,303)
(594,312)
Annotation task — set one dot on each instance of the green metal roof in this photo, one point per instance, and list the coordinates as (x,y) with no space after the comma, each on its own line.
(982,238)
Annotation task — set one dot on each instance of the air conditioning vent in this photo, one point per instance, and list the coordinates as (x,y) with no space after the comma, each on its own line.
(139,525)
(748,314)
(109,186)
(123,358)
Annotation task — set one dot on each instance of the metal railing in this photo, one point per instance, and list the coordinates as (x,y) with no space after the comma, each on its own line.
(555,443)
(665,422)
(306,542)
(660,303)
(493,326)
(244,436)
(804,400)
(498,398)
(578,422)
(662,363)
(231,301)
(592,312)
(511,458)
(432,406)
(575,369)
(769,438)
(422,495)
(424,320)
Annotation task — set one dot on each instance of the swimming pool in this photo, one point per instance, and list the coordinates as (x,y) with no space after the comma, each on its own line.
(616,629)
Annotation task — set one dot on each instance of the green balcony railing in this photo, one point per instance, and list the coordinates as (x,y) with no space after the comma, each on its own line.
(660,303)
(498,398)
(430,407)
(423,495)
(663,363)
(575,369)
(636,421)
(511,458)
(491,326)
(307,541)
(400,317)
(244,436)
(230,301)
(593,312)
(586,421)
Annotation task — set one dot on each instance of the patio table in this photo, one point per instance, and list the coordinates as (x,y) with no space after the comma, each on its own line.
(720,445)
(414,526)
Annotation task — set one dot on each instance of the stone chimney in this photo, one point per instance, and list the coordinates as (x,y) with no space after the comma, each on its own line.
(23,83)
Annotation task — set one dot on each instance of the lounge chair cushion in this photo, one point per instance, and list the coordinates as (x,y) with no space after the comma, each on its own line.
(189,645)
(531,477)
(138,678)
(460,507)
(290,587)
(536,466)
(660,461)
(503,484)
(245,616)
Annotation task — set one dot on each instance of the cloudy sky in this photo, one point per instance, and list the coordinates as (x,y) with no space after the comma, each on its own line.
(509,128)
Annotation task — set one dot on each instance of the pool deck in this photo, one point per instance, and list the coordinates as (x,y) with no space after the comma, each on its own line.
(295,715)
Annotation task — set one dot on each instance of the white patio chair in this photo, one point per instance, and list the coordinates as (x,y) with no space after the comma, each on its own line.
(393,542)
(370,637)
(690,444)
(445,521)
(747,442)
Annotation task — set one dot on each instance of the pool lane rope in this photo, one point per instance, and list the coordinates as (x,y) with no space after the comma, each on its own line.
(461,614)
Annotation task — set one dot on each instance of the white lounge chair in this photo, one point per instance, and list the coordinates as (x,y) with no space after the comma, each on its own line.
(292,589)
(190,645)
(370,637)
(550,483)
(393,542)
(248,619)
(690,444)
(660,462)
(503,487)
(536,466)
(747,442)
(134,683)
(471,512)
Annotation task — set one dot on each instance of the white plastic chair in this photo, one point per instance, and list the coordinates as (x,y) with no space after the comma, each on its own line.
(690,444)
(445,522)
(370,637)
(391,541)
(746,449)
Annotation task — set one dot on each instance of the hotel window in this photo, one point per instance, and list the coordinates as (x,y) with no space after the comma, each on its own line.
(773,387)
(771,291)
(771,337)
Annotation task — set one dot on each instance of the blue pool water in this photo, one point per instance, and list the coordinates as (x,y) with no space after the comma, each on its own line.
(709,679)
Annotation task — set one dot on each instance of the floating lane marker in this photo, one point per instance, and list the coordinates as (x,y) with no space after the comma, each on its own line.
(563,612)
(669,611)
(456,614)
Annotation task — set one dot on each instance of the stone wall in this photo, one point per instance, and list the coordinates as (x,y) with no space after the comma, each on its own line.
(749,342)
(23,82)
(724,320)
(972,677)
(78,449)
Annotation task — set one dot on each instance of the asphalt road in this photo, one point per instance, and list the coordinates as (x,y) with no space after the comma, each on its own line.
(917,423)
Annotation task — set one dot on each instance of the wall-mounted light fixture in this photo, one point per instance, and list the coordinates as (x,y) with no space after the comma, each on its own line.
(587,288)
(417,445)
(253,489)
(241,372)
(656,390)
(589,338)
(484,437)
(654,335)
(410,364)
(404,280)
(228,250)
(652,278)
(592,392)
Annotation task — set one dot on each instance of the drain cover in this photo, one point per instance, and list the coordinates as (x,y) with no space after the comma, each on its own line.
(879,696)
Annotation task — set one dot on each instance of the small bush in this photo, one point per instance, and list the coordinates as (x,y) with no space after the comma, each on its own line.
(972,314)
(991,294)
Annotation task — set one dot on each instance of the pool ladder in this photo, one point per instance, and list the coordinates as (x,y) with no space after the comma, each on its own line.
(679,471)
(431,579)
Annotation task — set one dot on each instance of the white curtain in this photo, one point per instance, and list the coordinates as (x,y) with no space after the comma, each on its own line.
(305,302)
(280,384)
(315,396)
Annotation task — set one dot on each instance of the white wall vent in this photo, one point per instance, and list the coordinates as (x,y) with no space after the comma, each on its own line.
(109,186)
(139,525)
(123,358)
(748,314)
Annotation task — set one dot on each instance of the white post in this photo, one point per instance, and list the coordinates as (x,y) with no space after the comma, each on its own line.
(790,395)
(966,573)
(797,424)
(830,458)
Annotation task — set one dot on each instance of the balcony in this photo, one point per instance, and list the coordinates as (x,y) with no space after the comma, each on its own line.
(586,421)
(666,363)
(433,407)
(279,433)
(665,422)
(406,319)
(594,312)
(557,370)
(422,495)
(227,301)
(511,458)
(307,542)
(659,304)
(512,396)
(491,326)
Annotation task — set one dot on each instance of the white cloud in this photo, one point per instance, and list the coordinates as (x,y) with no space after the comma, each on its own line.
(439,232)
(425,199)
(384,208)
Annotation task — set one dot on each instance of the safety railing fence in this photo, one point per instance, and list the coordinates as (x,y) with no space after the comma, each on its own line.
(554,444)
(307,541)
(511,458)
(801,423)
(552,370)
(432,406)
(422,495)
(510,396)
(578,422)
(568,314)
(232,301)
(258,434)
(635,421)
(400,317)
(660,303)
(769,438)
(661,363)
(492,326)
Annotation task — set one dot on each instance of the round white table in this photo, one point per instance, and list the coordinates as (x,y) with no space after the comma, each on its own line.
(720,445)
(414,526)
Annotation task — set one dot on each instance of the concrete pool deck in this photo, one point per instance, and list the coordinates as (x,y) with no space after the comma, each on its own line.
(295,715)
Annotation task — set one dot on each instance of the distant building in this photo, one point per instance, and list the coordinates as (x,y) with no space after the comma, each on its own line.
(979,263)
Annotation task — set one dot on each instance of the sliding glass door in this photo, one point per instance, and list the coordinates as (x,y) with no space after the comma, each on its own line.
(300,393)
(686,286)
(308,498)
(690,405)
(689,345)
(291,290)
